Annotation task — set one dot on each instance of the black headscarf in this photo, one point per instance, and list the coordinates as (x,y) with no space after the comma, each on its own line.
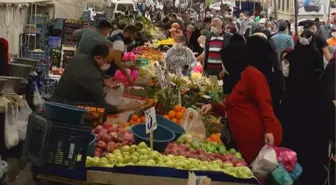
(233,61)
(258,52)
(304,69)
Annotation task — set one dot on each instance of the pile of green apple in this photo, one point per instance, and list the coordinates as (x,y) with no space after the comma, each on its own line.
(142,155)
(204,150)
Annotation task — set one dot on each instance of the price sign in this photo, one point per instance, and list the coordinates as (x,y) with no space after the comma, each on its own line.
(151,123)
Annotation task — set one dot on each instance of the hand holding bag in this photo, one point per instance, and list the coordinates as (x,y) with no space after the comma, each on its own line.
(265,162)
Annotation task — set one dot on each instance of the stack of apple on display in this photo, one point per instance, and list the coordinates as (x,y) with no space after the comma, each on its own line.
(115,146)
(189,147)
(110,137)
(142,155)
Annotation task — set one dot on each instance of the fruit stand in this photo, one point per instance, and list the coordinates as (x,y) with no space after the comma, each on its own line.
(120,150)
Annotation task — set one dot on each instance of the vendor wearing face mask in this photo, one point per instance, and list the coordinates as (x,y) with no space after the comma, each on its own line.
(83,80)
(180,59)
(212,61)
(88,39)
(332,41)
(120,42)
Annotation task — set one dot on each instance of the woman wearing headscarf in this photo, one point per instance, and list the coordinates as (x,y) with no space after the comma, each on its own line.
(301,123)
(3,56)
(180,59)
(175,30)
(264,57)
(230,80)
(248,107)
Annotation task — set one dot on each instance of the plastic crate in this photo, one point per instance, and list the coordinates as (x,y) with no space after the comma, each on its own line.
(47,87)
(37,19)
(42,69)
(53,144)
(38,55)
(54,42)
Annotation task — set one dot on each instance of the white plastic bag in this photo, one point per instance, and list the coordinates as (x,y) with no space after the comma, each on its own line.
(265,162)
(22,120)
(37,99)
(11,133)
(3,167)
(114,96)
(193,124)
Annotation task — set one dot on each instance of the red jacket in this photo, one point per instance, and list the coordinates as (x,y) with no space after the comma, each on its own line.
(250,113)
(3,56)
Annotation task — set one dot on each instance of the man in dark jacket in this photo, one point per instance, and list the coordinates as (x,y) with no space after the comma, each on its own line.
(83,80)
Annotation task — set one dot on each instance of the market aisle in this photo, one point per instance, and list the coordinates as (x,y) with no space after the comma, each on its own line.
(25,177)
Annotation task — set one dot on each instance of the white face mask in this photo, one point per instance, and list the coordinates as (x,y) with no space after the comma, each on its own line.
(333,34)
(178,46)
(105,67)
(214,30)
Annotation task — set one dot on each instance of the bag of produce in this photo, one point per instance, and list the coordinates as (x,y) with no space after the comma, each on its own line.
(296,173)
(286,157)
(265,162)
(134,73)
(280,177)
(193,124)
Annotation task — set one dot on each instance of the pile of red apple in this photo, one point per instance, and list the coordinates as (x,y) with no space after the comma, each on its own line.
(109,137)
(201,154)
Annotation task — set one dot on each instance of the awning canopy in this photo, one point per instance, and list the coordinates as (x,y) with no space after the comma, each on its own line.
(23,1)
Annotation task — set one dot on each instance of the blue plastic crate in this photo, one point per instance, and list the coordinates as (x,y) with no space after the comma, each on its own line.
(42,69)
(54,42)
(38,55)
(37,19)
(55,144)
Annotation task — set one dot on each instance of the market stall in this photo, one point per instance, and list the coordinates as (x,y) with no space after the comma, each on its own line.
(165,142)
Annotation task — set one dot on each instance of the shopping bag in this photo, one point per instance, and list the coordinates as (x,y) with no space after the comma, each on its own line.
(296,173)
(193,124)
(265,162)
(114,96)
(11,133)
(280,177)
(286,157)
(37,99)
(22,120)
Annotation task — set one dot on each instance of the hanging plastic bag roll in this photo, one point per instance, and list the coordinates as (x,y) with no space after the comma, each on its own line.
(22,120)
(11,133)
(37,99)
